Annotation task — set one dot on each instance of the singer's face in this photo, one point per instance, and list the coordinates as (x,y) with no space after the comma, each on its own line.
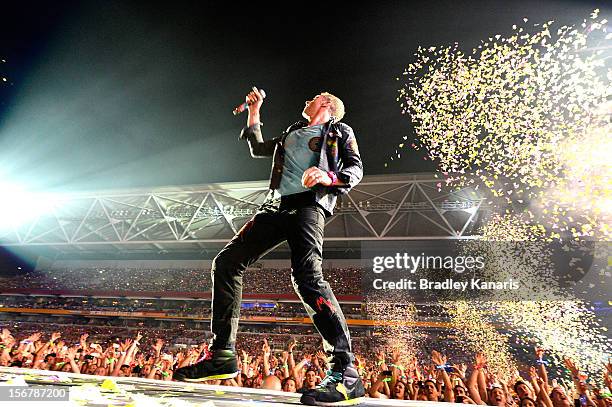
(313,106)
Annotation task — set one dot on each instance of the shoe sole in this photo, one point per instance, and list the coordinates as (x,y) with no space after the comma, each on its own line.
(350,402)
(213,377)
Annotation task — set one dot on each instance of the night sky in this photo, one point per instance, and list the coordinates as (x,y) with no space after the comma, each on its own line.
(105,94)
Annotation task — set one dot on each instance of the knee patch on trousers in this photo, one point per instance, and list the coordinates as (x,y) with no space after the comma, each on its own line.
(326,318)
(324,303)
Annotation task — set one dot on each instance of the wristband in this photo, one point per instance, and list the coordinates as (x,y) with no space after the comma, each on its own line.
(333,176)
(540,362)
(448,368)
(380,362)
(165,374)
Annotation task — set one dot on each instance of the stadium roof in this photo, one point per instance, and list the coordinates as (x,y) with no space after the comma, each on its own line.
(199,218)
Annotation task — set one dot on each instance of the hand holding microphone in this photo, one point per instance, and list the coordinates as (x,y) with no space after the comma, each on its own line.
(252,101)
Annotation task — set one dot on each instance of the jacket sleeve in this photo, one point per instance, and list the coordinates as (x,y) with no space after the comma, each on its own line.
(259,147)
(352,167)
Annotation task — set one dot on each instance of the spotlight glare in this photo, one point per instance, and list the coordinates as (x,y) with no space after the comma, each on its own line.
(18,206)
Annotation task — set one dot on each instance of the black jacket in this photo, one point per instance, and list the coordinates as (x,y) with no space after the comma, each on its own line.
(339,153)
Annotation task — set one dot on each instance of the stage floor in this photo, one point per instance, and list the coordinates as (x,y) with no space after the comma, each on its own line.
(88,390)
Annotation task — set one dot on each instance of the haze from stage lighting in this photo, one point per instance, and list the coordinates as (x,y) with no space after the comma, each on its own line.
(130,96)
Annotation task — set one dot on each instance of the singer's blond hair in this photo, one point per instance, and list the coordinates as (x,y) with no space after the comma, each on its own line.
(337,106)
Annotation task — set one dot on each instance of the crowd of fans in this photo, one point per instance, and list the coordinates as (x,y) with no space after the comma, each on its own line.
(112,279)
(344,281)
(178,306)
(177,333)
(172,307)
(271,356)
(278,361)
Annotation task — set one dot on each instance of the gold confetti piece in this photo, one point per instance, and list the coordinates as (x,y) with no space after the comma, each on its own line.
(109,384)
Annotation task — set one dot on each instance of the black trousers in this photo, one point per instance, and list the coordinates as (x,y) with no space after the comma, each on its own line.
(300,222)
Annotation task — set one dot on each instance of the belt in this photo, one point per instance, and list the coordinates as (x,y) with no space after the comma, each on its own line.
(298,200)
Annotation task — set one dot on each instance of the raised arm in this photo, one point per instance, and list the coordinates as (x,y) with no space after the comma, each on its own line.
(579,384)
(541,364)
(125,347)
(381,384)
(440,361)
(245,363)
(159,343)
(291,359)
(83,341)
(71,354)
(472,383)
(42,351)
(266,358)
(252,133)
(397,370)
(285,366)
(132,349)
(319,362)
(533,379)
(298,370)
(254,100)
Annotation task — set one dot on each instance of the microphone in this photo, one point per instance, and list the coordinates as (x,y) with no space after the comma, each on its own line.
(241,108)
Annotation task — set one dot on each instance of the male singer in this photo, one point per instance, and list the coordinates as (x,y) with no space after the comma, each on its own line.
(313,162)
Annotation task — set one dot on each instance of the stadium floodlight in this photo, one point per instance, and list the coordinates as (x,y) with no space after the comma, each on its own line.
(19,206)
